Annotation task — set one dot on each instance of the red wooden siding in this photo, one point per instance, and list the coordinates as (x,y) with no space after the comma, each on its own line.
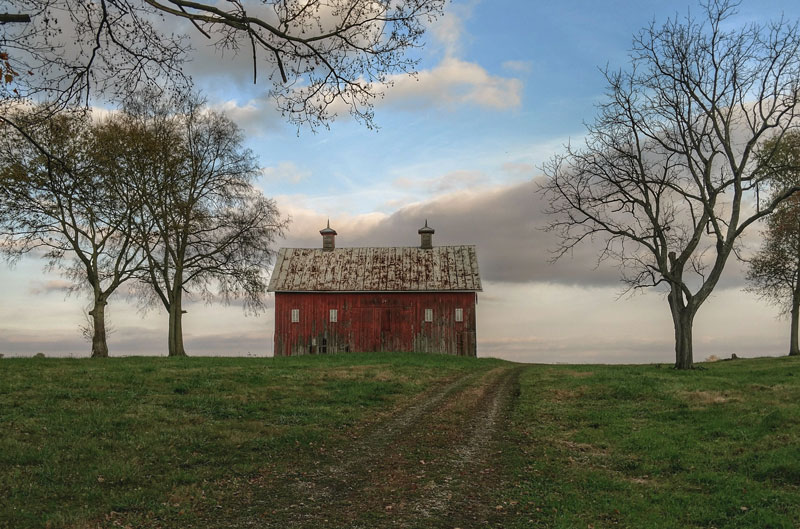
(375,321)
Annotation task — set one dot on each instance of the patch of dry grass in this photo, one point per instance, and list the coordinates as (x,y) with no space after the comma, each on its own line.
(706,397)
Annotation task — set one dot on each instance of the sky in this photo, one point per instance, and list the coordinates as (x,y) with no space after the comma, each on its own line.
(502,86)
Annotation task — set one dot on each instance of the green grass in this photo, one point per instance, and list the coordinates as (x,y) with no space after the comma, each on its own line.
(586,446)
(648,446)
(82,438)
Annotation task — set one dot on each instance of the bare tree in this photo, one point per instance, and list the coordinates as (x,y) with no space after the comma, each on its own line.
(64,200)
(774,272)
(313,52)
(666,178)
(204,227)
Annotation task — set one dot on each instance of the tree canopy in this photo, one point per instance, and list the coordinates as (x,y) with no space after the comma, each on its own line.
(68,202)
(204,228)
(161,193)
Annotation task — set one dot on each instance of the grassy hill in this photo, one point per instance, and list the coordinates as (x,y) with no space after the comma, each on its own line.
(402,440)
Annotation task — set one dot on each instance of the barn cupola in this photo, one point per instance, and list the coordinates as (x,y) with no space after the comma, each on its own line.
(328,236)
(426,236)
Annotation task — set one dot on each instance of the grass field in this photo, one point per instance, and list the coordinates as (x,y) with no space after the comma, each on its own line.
(647,446)
(197,442)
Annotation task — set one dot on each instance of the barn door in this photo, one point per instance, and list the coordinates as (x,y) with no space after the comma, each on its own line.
(367,330)
(383,329)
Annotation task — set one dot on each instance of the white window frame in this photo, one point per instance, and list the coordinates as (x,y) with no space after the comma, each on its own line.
(428,315)
(295,315)
(333,315)
(459,314)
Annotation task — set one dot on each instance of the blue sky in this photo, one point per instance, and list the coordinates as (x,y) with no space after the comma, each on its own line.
(502,86)
(542,64)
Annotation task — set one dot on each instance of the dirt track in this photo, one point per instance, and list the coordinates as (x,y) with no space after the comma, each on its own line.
(429,464)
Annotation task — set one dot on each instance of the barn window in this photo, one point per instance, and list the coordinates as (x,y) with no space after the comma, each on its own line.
(295,315)
(334,314)
(428,315)
(459,314)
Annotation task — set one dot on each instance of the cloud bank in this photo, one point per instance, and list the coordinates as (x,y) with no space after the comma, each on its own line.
(505,222)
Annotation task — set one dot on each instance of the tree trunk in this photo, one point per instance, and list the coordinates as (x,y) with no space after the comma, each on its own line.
(794,350)
(99,344)
(175,346)
(682,319)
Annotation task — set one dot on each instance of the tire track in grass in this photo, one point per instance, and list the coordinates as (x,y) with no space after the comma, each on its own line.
(415,469)
(319,486)
(469,457)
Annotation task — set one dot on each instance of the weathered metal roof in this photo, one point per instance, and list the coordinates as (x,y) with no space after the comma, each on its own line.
(389,269)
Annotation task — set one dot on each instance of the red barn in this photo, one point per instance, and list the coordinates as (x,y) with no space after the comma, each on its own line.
(330,300)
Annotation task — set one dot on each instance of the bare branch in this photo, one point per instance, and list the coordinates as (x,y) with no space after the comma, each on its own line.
(12,18)
(668,169)
(315,53)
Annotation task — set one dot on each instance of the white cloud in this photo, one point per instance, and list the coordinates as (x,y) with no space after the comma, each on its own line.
(519,169)
(285,172)
(518,66)
(505,221)
(454,81)
(256,117)
(448,30)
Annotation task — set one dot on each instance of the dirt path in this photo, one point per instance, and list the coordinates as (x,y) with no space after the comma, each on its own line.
(428,465)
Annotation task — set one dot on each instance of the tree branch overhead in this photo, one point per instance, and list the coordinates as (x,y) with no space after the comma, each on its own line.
(313,52)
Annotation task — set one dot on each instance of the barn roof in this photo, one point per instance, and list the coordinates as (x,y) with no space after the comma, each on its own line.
(391,269)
